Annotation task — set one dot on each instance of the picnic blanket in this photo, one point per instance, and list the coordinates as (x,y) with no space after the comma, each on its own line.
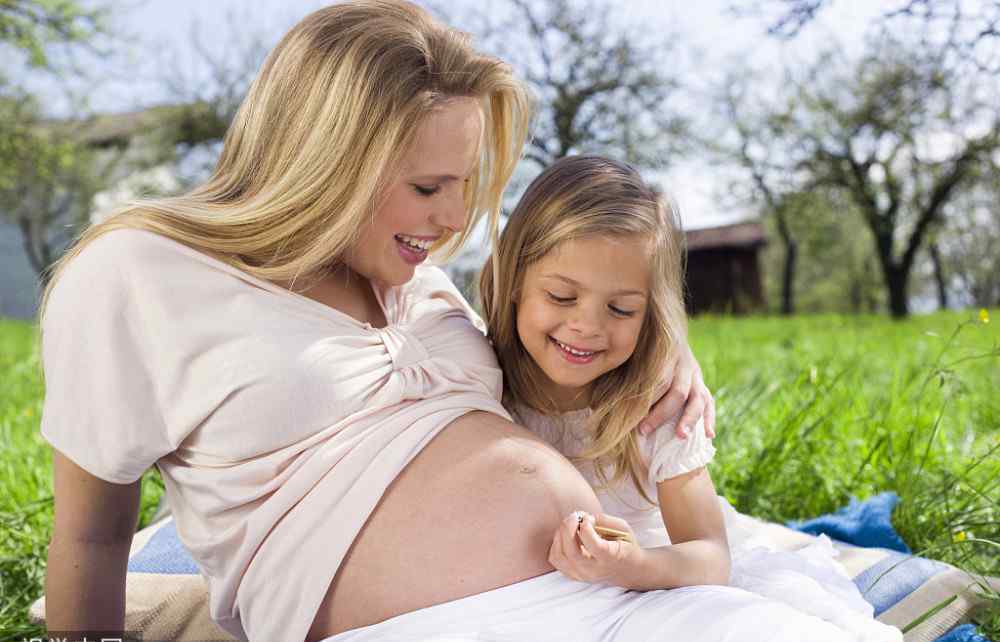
(899,579)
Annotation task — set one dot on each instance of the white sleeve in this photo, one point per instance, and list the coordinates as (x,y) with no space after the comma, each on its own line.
(670,456)
(100,406)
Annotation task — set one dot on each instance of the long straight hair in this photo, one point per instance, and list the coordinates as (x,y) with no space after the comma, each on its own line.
(319,137)
(585,197)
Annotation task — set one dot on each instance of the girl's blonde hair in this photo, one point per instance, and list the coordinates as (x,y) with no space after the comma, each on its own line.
(320,135)
(581,197)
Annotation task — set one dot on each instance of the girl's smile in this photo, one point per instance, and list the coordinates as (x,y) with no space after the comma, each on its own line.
(581,309)
(573,354)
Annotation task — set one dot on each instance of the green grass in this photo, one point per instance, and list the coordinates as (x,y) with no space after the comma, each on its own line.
(811,411)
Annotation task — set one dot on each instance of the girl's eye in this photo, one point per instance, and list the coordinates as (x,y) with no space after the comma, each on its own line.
(561,300)
(621,313)
(426,191)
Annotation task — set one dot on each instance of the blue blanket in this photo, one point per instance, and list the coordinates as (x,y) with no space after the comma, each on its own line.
(869,524)
(963,633)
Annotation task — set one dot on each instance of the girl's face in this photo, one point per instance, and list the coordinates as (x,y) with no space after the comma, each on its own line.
(426,202)
(580,311)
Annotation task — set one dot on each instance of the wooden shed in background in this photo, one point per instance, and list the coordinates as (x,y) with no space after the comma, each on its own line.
(723,269)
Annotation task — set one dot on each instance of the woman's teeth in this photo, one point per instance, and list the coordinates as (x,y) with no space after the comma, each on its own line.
(579,353)
(415,243)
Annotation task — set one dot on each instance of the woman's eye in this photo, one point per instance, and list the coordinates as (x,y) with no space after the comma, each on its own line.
(561,300)
(426,191)
(621,313)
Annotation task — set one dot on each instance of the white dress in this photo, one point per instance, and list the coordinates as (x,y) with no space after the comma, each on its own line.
(808,579)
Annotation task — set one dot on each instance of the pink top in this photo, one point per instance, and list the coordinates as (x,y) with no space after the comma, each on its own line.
(276,422)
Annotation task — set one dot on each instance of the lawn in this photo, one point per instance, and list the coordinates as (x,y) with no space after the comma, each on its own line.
(811,411)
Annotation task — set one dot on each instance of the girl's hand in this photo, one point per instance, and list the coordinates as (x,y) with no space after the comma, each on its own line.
(579,553)
(683,388)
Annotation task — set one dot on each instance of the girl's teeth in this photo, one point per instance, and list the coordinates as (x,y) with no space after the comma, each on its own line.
(572,351)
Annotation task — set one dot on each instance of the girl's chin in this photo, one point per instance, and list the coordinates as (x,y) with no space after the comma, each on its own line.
(562,388)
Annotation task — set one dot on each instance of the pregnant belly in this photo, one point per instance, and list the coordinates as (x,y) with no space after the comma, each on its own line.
(473,511)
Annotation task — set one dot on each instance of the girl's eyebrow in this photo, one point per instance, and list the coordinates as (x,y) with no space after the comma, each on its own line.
(569,281)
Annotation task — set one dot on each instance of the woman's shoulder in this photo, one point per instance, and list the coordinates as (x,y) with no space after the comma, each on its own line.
(430,279)
(123,251)
(432,282)
(107,272)
(98,271)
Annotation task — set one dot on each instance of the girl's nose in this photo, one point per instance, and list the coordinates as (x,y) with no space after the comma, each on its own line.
(584,321)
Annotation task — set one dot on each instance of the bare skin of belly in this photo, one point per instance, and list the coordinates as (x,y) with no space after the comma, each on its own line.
(475,510)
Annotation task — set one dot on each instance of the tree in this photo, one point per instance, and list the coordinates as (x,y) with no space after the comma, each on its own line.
(46,182)
(601,88)
(969,248)
(836,269)
(752,140)
(32,26)
(902,136)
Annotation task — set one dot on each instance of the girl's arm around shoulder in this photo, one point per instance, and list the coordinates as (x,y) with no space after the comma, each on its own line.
(88,552)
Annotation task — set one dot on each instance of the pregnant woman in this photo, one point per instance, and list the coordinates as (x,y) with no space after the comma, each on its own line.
(322,407)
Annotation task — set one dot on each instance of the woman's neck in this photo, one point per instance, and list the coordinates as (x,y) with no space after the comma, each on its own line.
(346,291)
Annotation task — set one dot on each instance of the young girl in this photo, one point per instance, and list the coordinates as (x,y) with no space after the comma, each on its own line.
(582,298)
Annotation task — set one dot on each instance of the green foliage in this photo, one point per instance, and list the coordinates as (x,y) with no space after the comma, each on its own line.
(32,25)
(47,181)
(811,410)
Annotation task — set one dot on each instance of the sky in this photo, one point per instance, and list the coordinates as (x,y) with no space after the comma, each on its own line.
(160,31)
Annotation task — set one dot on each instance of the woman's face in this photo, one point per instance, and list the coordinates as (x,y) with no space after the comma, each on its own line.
(426,202)
(580,311)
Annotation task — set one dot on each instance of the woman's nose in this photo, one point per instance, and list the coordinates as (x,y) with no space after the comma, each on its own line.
(451,212)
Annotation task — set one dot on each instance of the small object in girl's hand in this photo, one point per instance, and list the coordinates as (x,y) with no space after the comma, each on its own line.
(613,535)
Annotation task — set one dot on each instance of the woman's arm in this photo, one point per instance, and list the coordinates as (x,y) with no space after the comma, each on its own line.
(88,552)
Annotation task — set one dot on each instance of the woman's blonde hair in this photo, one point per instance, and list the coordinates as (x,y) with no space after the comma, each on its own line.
(583,197)
(320,135)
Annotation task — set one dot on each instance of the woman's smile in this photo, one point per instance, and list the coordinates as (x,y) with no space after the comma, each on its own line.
(413,249)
